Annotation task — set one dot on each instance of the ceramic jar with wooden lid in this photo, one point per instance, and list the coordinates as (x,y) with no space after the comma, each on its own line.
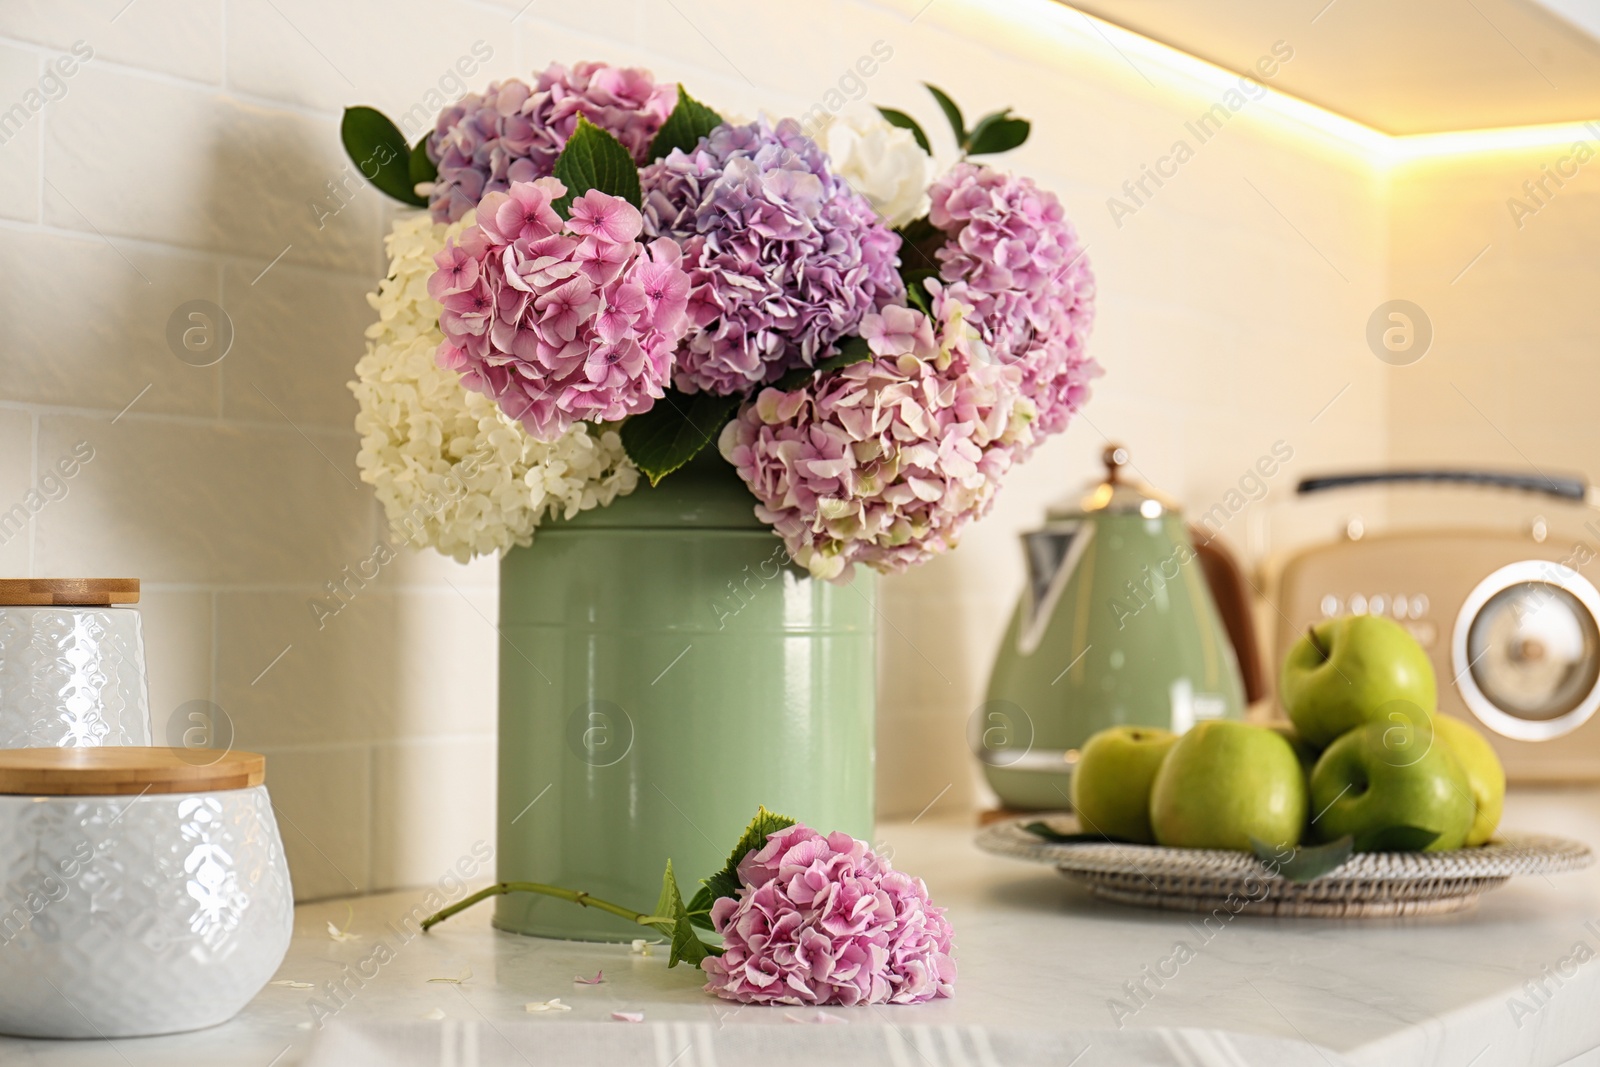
(143,891)
(72,670)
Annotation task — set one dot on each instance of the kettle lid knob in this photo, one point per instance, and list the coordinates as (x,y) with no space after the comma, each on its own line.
(1115,457)
(1118,493)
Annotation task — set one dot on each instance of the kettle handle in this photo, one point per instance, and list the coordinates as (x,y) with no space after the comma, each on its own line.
(1232,594)
(1563,486)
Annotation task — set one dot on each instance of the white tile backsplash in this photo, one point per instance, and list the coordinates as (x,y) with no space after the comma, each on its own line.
(132,156)
(178,37)
(323,800)
(203,502)
(286,680)
(321,56)
(1511,378)
(20,124)
(54,353)
(19,501)
(297,335)
(419,836)
(178,629)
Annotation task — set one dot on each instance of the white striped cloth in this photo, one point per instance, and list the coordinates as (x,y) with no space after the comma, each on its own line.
(454,1043)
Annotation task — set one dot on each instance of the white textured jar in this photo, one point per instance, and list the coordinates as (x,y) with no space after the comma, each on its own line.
(155,900)
(72,665)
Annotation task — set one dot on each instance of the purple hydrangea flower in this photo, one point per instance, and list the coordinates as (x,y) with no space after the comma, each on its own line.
(824,920)
(783,256)
(513,131)
(1012,256)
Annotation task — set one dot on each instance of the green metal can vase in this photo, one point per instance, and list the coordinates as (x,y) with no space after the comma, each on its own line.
(664,670)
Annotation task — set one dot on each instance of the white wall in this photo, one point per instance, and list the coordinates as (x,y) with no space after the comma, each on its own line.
(1512,376)
(184,162)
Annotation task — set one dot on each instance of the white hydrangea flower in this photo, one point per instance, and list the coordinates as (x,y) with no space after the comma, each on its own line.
(882,162)
(452,471)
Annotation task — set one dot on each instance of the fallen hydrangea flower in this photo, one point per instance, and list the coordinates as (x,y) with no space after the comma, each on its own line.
(825,920)
(806,919)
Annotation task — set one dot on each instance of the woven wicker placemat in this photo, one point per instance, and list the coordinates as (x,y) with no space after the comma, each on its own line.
(1369,884)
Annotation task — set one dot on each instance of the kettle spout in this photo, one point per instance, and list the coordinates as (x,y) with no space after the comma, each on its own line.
(1051,555)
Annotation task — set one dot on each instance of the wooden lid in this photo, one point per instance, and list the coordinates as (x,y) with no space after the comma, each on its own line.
(51,592)
(103,772)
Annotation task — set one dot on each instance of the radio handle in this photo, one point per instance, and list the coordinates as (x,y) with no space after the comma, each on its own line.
(1573,487)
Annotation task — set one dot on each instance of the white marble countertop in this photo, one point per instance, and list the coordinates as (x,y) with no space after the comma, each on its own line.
(1034,951)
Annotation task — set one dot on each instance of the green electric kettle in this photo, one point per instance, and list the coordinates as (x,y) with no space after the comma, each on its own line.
(1117,625)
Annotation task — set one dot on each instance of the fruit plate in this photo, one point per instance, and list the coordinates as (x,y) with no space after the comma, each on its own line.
(1368,885)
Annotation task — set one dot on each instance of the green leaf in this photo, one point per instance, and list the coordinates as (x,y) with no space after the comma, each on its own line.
(906,122)
(851,350)
(593,159)
(725,883)
(920,241)
(675,430)
(1304,864)
(700,909)
(951,112)
(1396,839)
(916,294)
(1055,837)
(997,132)
(379,150)
(686,944)
(422,168)
(690,120)
(921,231)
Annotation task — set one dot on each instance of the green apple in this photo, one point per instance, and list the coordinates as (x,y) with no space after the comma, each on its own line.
(1225,782)
(1395,771)
(1338,675)
(1111,784)
(1485,777)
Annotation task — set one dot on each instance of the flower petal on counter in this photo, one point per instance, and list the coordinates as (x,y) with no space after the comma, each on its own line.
(547,1005)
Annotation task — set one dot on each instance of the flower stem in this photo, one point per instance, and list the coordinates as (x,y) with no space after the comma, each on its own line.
(576,896)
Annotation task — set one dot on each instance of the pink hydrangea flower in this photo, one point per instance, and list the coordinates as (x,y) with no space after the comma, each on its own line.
(886,461)
(560,321)
(824,920)
(1015,259)
(513,131)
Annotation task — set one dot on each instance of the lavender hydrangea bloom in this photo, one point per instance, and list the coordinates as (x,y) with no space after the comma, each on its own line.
(784,257)
(1012,256)
(513,131)
(825,920)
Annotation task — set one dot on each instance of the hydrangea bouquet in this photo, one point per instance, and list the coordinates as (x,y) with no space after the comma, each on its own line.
(610,278)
